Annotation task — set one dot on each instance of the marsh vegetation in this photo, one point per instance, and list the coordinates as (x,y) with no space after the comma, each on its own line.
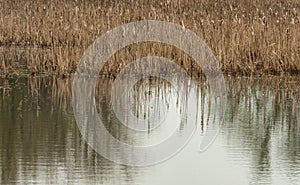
(49,37)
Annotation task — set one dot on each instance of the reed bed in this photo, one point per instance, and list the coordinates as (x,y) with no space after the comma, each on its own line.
(248,37)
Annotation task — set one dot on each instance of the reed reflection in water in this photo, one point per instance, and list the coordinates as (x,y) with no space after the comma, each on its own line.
(259,142)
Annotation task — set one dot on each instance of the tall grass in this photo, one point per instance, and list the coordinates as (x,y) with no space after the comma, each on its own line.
(248,37)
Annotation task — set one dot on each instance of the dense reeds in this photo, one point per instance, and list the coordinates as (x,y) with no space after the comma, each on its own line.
(247,37)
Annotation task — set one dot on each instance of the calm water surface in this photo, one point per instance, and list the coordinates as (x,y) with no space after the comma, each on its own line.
(259,141)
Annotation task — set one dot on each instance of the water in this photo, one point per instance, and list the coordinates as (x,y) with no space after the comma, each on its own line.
(258,143)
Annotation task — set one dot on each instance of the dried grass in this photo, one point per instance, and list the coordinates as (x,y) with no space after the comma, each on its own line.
(249,37)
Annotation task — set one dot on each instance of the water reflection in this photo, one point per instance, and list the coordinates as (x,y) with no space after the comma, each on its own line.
(40,142)
(42,145)
(262,129)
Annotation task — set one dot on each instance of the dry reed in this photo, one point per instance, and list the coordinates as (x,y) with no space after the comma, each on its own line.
(249,37)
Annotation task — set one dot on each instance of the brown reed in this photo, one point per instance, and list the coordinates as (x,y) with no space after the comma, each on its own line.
(248,37)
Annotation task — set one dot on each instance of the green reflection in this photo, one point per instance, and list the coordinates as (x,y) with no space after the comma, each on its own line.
(40,142)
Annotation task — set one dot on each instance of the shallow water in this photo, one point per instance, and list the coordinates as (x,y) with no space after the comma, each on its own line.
(258,142)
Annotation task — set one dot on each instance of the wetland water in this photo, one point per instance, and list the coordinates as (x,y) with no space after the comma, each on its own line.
(258,142)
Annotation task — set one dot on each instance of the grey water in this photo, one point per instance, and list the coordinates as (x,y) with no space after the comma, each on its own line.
(258,141)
